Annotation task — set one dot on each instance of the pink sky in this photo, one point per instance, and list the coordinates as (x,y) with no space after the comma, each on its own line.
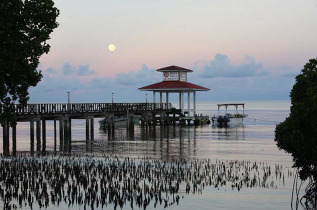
(163,33)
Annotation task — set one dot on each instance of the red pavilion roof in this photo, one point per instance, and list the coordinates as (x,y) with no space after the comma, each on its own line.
(174,85)
(174,68)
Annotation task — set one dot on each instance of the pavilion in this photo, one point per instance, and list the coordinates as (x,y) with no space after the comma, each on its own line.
(175,81)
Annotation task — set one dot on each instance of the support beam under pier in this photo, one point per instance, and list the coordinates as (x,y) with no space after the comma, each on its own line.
(6,145)
(92,128)
(14,140)
(87,134)
(70,135)
(61,134)
(66,136)
(55,143)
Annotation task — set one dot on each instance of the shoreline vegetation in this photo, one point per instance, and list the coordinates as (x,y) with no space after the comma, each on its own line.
(297,135)
(91,182)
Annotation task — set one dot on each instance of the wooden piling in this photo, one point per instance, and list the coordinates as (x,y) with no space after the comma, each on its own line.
(131,125)
(131,117)
(162,119)
(43,137)
(87,134)
(14,140)
(92,128)
(55,143)
(128,119)
(148,121)
(70,135)
(4,135)
(109,120)
(154,122)
(66,135)
(61,134)
(113,127)
(6,145)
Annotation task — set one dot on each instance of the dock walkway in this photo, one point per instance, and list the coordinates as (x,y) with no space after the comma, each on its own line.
(64,112)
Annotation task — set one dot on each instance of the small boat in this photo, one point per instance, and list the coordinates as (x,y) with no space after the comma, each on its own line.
(119,121)
(228,118)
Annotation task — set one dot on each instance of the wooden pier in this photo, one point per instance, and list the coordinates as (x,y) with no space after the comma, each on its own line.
(38,114)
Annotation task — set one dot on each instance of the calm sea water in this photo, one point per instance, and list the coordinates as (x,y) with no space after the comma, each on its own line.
(252,141)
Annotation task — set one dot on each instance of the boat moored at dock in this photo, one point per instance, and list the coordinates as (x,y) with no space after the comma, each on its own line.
(228,118)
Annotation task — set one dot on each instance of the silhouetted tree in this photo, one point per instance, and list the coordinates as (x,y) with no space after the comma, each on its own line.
(297,135)
(25,26)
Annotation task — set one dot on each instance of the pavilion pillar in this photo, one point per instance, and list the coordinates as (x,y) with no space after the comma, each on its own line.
(161,98)
(188,102)
(154,97)
(167,98)
(182,101)
(194,102)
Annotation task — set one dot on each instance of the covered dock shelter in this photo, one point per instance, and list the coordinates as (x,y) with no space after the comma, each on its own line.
(175,81)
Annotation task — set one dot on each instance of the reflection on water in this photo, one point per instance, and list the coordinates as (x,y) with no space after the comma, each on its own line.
(236,132)
(165,142)
(253,141)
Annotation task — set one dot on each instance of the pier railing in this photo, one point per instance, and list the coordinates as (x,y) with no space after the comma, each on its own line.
(57,108)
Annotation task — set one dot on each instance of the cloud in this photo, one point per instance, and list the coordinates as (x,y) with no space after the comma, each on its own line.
(50,72)
(227,82)
(141,77)
(221,66)
(56,82)
(67,69)
(82,70)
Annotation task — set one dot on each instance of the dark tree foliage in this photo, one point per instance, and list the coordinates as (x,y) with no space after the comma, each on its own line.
(297,135)
(25,26)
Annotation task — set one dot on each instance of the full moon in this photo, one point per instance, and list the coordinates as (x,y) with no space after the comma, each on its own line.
(112,47)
